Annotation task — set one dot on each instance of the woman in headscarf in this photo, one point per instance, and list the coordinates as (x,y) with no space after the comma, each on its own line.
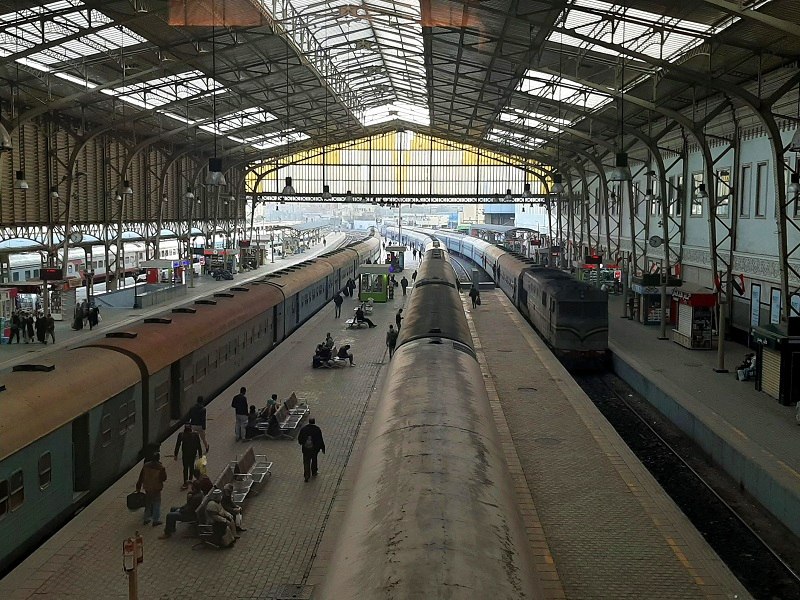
(221,520)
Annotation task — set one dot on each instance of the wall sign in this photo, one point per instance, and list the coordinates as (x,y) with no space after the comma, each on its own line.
(775,307)
(755,304)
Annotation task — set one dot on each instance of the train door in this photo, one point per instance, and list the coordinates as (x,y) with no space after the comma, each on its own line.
(81,455)
(274,324)
(176,390)
(296,305)
(522,296)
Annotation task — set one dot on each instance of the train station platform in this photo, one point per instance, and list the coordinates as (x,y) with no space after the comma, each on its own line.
(600,525)
(753,437)
(285,521)
(12,354)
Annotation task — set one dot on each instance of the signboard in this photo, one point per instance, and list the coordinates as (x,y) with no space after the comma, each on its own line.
(795,302)
(244,243)
(593,259)
(50,274)
(755,304)
(775,307)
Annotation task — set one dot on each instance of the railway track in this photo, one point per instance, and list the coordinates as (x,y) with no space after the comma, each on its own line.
(462,273)
(751,558)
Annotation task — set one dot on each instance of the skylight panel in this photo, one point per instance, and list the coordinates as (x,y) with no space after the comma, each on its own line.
(249,117)
(165,90)
(561,89)
(363,35)
(654,35)
(51,22)
(534,120)
(276,139)
(510,138)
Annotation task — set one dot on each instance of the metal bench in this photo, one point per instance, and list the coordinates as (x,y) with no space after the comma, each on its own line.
(249,472)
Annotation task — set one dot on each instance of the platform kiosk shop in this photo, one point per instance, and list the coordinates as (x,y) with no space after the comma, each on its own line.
(778,361)
(373,283)
(692,307)
(395,258)
(646,292)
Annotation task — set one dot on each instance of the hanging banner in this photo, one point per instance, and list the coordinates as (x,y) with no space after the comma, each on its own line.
(775,307)
(755,304)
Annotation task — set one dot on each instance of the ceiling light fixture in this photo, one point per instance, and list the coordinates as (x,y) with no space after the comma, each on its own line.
(793,191)
(526,191)
(701,193)
(19,181)
(508,196)
(558,186)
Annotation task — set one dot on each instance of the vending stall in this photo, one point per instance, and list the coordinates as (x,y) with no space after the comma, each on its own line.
(646,295)
(373,283)
(778,361)
(693,308)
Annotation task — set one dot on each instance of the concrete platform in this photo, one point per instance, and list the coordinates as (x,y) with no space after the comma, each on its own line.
(285,522)
(753,437)
(596,516)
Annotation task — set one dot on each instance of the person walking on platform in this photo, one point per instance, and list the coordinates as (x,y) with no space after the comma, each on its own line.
(473,295)
(192,450)
(414,276)
(404,284)
(239,404)
(398,318)
(51,327)
(197,419)
(391,340)
(152,478)
(15,326)
(310,440)
(337,303)
(29,327)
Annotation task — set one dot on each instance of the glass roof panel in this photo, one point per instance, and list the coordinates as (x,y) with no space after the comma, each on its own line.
(512,138)
(649,33)
(521,118)
(248,117)
(561,89)
(276,138)
(368,41)
(48,23)
(164,90)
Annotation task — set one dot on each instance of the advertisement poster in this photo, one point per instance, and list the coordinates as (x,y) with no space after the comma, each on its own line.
(775,307)
(755,304)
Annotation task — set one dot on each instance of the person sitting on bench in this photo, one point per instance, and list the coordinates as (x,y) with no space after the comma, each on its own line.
(344,353)
(187,512)
(328,342)
(360,318)
(221,520)
(251,430)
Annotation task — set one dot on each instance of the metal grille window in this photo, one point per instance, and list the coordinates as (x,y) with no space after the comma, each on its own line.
(17,485)
(745,185)
(761,190)
(162,396)
(45,470)
(723,195)
(697,203)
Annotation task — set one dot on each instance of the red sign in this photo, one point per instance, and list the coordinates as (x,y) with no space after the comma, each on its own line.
(50,274)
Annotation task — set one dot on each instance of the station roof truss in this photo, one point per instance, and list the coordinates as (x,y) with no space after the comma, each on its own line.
(556,81)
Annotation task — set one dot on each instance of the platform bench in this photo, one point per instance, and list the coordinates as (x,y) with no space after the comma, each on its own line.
(292,413)
(353,324)
(249,473)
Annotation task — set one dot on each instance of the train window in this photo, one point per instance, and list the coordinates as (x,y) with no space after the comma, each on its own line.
(544,298)
(123,418)
(162,396)
(3,498)
(45,470)
(105,430)
(15,276)
(17,485)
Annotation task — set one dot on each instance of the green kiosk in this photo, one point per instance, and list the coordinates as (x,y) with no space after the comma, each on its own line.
(373,283)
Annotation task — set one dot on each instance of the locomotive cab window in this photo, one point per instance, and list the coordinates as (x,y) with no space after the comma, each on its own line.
(17,485)
(45,470)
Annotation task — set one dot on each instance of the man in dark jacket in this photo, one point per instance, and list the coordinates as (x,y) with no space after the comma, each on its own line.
(310,440)
(404,284)
(337,302)
(152,478)
(185,513)
(197,419)
(239,404)
(398,318)
(192,450)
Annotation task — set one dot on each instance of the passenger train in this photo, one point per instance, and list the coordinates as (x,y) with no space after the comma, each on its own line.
(570,315)
(432,511)
(25,266)
(74,421)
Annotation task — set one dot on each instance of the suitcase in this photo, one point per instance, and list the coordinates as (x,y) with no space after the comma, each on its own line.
(135,500)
